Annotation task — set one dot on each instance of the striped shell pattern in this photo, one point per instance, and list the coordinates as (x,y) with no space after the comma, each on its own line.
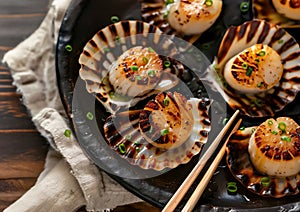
(122,130)
(105,48)
(240,165)
(238,38)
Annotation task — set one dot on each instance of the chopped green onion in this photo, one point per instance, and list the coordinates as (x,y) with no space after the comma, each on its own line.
(106,49)
(249,71)
(134,68)
(167,64)
(242,128)
(257,60)
(137,148)
(122,148)
(274,132)
(282,126)
(138,78)
(265,181)
(67,133)
(165,15)
(114,19)
(90,116)
(151,73)
(280,41)
(244,65)
(262,53)
(128,137)
(259,84)
(112,94)
(145,60)
(169,2)
(286,138)
(209,2)
(225,121)
(68,48)
(216,67)
(205,46)
(270,122)
(151,50)
(136,143)
(166,101)
(150,130)
(244,7)
(117,38)
(164,132)
(231,187)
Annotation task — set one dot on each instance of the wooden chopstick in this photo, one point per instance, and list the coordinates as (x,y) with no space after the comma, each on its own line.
(209,173)
(184,187)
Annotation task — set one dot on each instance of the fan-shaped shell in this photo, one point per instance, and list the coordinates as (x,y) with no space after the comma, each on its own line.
(238,38)
(265,10)
(242,169)
(123,135)
(108,44)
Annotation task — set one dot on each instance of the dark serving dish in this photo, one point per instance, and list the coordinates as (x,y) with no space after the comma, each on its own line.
(82,20)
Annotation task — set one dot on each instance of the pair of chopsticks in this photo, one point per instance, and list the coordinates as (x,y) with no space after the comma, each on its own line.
(187,183)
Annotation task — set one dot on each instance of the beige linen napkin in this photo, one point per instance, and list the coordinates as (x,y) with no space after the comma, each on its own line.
(69,180)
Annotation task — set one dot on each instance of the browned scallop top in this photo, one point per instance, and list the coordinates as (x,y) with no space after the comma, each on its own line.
(167,119)
(279,140)
(141,65)
(293,3)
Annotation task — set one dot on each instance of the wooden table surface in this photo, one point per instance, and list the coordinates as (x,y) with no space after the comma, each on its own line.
(22,149)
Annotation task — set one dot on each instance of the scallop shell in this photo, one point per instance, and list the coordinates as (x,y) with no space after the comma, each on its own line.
(239,163)
(238,38)
(264,10)
(122,129)
(153,12)
(108,44)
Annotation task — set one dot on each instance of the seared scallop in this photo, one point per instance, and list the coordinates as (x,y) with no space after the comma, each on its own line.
(191,17)
(137,70)
(255,69)
(288,8)
(167,121)
(274,147)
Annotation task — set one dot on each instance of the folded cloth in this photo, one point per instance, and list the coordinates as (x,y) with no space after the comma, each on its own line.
(70,180)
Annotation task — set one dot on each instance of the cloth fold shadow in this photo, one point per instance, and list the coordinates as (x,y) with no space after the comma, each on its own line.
(70,180)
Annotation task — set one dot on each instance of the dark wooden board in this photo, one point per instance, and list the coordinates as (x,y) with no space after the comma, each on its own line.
(22,148)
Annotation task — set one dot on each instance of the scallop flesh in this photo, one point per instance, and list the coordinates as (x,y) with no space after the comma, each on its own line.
(288,8)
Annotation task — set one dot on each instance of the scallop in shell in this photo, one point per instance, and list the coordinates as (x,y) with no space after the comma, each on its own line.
(124,63)
(185,18)
(240,165)
(126,132)
(247,52)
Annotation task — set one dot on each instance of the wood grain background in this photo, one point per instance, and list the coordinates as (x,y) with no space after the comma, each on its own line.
(22,149)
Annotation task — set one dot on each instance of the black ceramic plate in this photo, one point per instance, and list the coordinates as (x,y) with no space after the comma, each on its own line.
(82,20)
